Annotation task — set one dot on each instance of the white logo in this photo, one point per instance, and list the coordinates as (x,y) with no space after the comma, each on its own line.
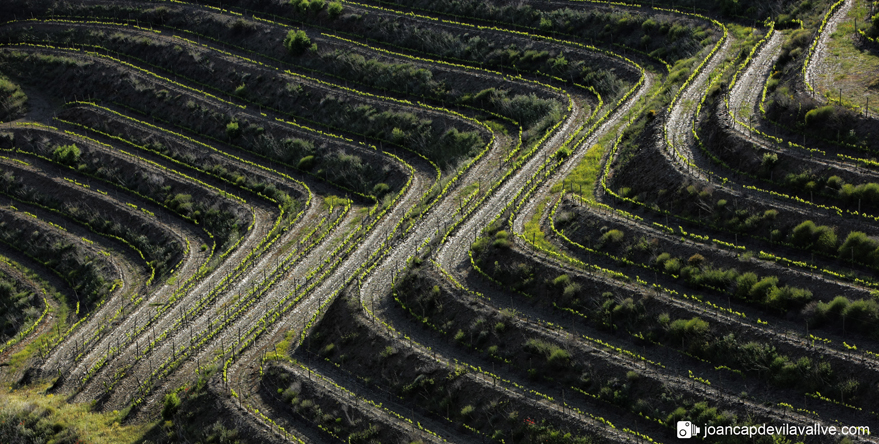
(687,430)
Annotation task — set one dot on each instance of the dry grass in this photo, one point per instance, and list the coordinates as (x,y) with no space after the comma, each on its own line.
(90,427)
(852,70)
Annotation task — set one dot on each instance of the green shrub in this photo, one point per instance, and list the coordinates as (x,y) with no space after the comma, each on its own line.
(300,5)
(571,290)
(714,277)
(775,235)
(31,423)
(835,182)
(673,266)
(662,259)
(380,189)
(233,130)
(501,243)
(388,352)
(306,163)
(862,314)
(820,237)
(545,24)
(861,248)
(67,154)
(783,297)
(787,373)
(802,233)
(181,203)
(554,354)
(334,9)
(290,393)
(769,160)
(800,180)
(170,405)
(873,30)
(559,64)
(744,283)
(501,239)
(678,75)
(663,319)
(467,410)
(328,350)
(398,135)
(827,240)
(459,336)
(761,289)
(364,436)
(559,356)
(819,117)
(297,42)
(561,281)
(454,144)
(865,192)
(694,327)
(825,311)
(479,245)
(835,307)
(625,308)
(614,236)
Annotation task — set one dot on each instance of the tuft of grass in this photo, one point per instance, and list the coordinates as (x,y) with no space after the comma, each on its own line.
(15,100)
(388,352)
(333,201)
(283,347)
(533,231)
(583,178)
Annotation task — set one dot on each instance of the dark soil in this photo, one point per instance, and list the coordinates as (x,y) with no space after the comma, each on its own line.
(635,317)
(695,206)
(433,388)
(587,228)
(306,404)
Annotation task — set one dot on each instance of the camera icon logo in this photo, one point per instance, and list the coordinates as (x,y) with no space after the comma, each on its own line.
(687,430)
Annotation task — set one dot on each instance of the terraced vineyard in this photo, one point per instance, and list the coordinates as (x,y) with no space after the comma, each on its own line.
(562,221)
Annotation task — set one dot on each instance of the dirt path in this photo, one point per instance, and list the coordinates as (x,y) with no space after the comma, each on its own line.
(678,115)
(234,314)
(744,110)
(296,316)
(96,327)
(677,127)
